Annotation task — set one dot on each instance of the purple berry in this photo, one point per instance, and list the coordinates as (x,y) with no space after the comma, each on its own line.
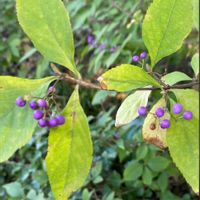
(33,105)
(187,115)
(61,119)
(165,124)
(53,122)
(20,102)
(112,49)
(160,112)
(42,123)
(90,39)
(42,103)
(38,114)
(177,108)
(102,47)
(52,89)
(135,58)
(142,111)
(143,55)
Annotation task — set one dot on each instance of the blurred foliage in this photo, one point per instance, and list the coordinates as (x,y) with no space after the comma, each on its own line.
(124,167)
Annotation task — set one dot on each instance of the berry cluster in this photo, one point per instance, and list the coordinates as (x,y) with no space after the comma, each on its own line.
(160,112)
(42,112)
(101,47)
(137,58)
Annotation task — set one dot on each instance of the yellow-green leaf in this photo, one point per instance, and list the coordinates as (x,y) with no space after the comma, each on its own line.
(70,151)
(17,124)
(166,24)
(196,13)
(128,111)
(183,138)
(126,77)
(48,26)
(152,132)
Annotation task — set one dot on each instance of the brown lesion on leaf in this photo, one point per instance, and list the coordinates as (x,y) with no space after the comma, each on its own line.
(155,141)
(102,83)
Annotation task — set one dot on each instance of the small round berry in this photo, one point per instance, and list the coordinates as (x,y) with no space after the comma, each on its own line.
(102,47)
(135,58)
(160,112)
(90,39)
(42,123)
(112,49)
(116,136)
(53,122)
(165,124)
(20,102)
(177,108)
(38,114)
(61,119)
(42,103)
(143,55)
(52,89)
(33,105)
(187,115)
(142,111)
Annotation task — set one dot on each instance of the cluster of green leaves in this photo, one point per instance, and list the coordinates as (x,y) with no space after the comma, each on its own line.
(58,48)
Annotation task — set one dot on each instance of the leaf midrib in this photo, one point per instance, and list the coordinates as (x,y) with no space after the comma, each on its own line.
(165,32)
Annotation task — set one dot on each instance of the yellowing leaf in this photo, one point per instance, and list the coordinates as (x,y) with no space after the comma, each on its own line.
(17,124)
(183,138)
(128,110)
(48,26)
(152,132)
(166,24)
(125,78)
(70,151)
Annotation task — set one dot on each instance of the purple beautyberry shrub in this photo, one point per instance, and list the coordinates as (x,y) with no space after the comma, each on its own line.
(33,105)
(42,103)
(38,114)
(187,115)
(136,58)
(20,102)
(60,119)
(142,111)
(165,124)
(42,123)
(143,55)
(90,40)
(177,108)
(102,47)
(160,112)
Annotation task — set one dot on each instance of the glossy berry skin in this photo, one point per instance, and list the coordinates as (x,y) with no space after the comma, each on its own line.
(42,123)
(20,102)
(165,124)
(143,55)
(60,119)
(51,90)
(53,122)
(33,105)
(177,108)
(160,112)
(38,114)
(187,115)
(42,103)
(135,58)
(142,111)
(90,39)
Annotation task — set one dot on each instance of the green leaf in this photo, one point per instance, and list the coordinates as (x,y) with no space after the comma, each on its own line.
(195,64)
(125,78)
(141,152)
(14,189)
(158,163)
(156,135)
(163,182)
(166,25)
(196,13)
(147,176)
(183,138)
(17,124)
(175,77)
(133,171)
(128,111)
(70,151)
(48,26)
